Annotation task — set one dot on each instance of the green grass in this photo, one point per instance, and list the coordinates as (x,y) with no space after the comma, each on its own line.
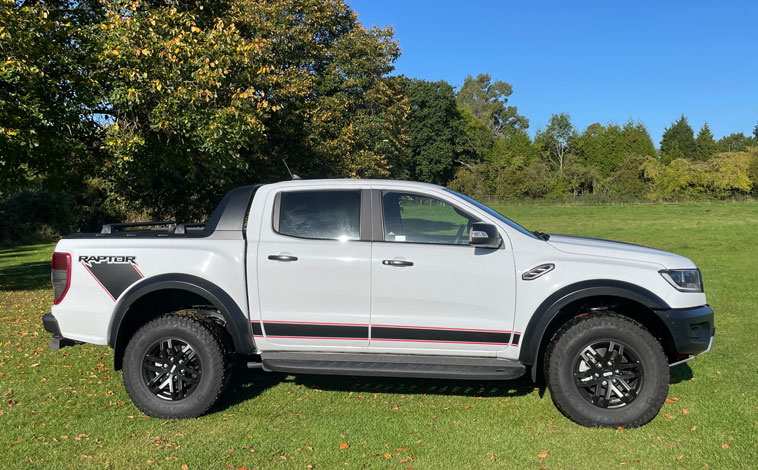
(69,409)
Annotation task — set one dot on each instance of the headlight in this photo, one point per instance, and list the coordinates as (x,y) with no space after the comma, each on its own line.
(685,280)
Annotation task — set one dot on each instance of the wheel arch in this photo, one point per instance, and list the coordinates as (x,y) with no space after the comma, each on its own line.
(584,297)
(171,292)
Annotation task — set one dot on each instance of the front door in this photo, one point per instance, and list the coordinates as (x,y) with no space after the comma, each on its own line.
(314,269)
(431,292)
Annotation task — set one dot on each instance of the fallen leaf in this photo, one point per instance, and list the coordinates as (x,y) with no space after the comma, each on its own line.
(344,445)
(620,428)
(185,466)
(724,445)
(679,457)
(543,454)
(387,456)
(668,416)
(692,429)
(685,411)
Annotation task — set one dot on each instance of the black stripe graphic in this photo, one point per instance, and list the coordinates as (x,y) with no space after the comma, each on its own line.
(424,334)
(307,330)
(319,331)
(115,277)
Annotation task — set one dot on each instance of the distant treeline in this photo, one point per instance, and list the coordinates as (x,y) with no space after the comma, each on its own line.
(118,109)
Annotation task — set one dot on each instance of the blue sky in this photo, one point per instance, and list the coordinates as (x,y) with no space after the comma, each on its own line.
(598,61)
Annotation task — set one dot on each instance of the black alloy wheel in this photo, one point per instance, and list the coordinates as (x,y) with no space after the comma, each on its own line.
(608,374)
(607,370)
(172,369)
(176,366)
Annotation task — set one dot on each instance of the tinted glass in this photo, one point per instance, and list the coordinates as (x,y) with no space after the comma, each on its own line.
(332,215)
(493,213)
(422,219)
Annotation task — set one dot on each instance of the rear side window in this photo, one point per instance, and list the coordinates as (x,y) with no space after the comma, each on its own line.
(323,215)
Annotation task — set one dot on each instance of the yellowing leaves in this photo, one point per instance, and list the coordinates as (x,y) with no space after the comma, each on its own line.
(344,445)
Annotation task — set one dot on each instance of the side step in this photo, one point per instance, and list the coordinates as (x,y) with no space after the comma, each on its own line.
(393,365)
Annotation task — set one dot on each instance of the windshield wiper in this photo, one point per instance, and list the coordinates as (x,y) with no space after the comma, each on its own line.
(542,235)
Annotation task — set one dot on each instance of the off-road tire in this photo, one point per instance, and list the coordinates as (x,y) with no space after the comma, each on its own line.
(206,339)
(563,360)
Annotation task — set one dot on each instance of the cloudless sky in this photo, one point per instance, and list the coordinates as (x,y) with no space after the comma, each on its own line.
(598,61)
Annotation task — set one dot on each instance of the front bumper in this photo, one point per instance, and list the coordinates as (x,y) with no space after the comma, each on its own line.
(50,323)
(692,329)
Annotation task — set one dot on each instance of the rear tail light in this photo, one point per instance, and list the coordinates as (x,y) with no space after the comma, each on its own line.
(60,276)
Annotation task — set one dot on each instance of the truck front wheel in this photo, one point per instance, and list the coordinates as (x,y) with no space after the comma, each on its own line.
(175,367)
(607,371)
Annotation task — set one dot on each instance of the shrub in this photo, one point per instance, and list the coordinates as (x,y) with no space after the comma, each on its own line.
(36,215)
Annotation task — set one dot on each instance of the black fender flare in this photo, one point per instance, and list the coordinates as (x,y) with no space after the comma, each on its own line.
(237,323)
(542,317)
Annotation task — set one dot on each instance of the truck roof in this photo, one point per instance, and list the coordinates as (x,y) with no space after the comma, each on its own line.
(353,182)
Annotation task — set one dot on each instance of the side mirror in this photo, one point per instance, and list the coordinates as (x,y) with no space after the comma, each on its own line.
(484,235)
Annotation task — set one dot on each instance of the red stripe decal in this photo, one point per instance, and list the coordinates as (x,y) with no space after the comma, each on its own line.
(434,341)
(317,337)
(135,267)
(310,323)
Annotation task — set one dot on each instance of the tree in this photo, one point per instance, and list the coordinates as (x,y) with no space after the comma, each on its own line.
(736,142)
(605,147)
(755,133)
(48,136)
(706,146)
(488,101)
(204,97)
(436,136)
(554,140)
(678,141)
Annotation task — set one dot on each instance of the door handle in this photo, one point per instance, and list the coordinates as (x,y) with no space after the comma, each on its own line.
(397,262)
(285,258)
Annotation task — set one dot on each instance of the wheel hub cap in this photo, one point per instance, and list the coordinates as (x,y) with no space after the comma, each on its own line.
(608,374)
(171,369)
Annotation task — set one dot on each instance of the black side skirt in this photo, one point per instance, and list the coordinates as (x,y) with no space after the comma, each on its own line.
(393,365)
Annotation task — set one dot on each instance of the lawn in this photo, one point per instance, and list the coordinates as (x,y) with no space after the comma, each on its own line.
(69,408)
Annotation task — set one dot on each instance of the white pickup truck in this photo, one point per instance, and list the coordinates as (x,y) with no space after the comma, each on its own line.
(379,278)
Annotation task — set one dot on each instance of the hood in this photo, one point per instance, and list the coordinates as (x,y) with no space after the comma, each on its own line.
(620,250)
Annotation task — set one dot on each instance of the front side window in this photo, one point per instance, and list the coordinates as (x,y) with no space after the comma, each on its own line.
(413,218)
(325,215)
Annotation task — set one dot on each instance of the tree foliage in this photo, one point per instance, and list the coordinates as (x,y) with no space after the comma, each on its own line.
(678,141)
(736,142)
(488,102)
(706,146)
(201,102)
(47,131)
(606,147)
(437,138)
(555,139)
(157,108)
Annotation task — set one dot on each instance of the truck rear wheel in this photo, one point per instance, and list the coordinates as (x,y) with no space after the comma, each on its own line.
(175,367)
(607,371)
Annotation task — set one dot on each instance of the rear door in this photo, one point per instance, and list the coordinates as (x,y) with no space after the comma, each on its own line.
(314,269)
(431,292)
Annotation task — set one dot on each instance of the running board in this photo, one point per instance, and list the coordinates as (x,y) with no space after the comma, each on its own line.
(393,365)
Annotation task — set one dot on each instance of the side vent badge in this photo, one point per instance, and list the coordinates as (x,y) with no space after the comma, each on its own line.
(534,273)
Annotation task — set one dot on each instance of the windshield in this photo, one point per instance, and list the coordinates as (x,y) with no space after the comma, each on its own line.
(493,213)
